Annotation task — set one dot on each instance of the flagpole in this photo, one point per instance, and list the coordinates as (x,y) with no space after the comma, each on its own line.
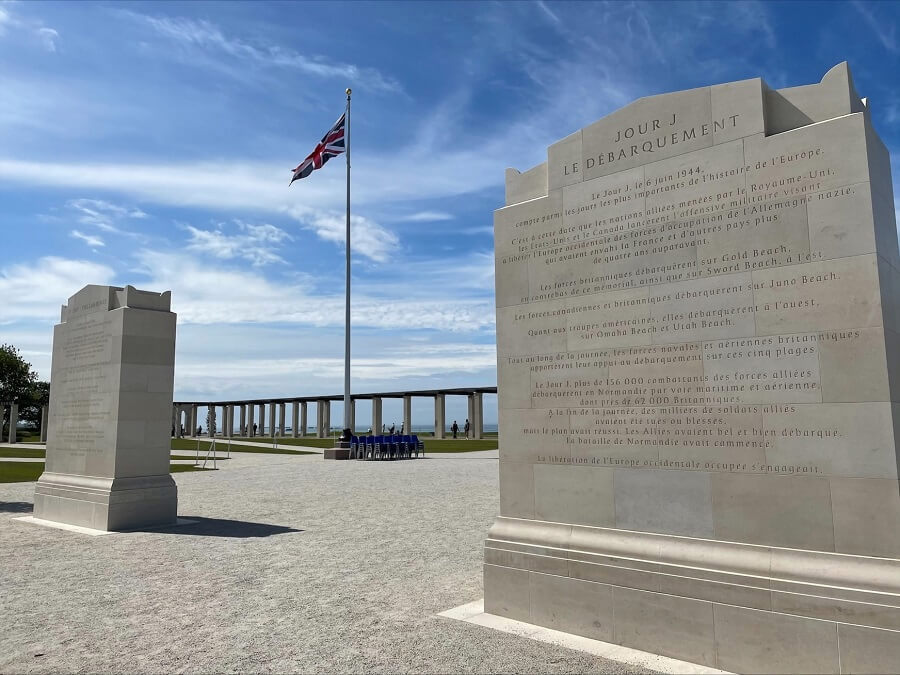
(348,432)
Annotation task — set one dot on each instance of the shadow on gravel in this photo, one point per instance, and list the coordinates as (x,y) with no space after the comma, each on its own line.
(218,527)
(16,507)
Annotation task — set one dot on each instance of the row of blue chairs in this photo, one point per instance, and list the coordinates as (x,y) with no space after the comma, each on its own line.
(385,447)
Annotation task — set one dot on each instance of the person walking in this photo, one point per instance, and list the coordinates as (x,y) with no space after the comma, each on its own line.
(468,426)
(454,428)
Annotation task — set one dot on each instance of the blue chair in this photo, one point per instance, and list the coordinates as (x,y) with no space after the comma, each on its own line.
(354,447)
(368,443)
(418,445)
(380,447)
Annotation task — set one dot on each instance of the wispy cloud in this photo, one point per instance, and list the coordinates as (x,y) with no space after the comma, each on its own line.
(426,217)
(36,289)
(255,243)
(206,35)
(31,28)
(883,28)
(88,239)
(104,215)
(48,37)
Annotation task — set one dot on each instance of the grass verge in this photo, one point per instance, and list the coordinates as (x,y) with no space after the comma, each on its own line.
(222,447)
(21,472)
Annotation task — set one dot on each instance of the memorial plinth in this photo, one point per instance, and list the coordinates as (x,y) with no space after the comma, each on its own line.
(111,386)
(697,336)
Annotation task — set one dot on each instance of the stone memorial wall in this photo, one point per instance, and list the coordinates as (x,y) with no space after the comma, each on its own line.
(111,387)
(697,321)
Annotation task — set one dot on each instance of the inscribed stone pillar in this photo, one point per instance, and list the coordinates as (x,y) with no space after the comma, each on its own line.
(194,422)
(295,419)
(44,424)
(111,384)
(352,415)
(242,430)
(13,421)
(272,426)
(281,422)
(250,420)
(376,415)
(303,418)
(407,414)
(326,417)
(698,342)
(211,421)
(439,416)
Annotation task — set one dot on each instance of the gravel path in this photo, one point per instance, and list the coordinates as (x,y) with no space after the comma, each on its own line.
(296,565)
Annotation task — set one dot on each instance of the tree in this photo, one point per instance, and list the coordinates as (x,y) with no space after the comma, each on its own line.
(19,384)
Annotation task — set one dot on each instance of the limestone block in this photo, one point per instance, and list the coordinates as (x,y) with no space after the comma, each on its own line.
(788,511)
(677,502)
(521,187)
(572,606)
(564,165)
(751,640)
(678,627)
(590,489)
(745,99)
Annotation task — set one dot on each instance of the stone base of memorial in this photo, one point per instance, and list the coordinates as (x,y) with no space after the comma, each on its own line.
(339,452)
(111,386)
(698,330)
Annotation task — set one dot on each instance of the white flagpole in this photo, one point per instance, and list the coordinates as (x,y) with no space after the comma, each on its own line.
(347,430)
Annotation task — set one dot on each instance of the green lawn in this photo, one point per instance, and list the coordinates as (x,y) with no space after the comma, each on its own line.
(22,452)
(21,472)
(222,447)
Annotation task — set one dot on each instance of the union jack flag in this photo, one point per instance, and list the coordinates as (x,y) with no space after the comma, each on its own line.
(331,145)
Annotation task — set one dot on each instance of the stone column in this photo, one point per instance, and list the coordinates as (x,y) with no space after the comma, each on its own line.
(470,414)
(281,423)
(193,429)
(229,423)
(262,419)
(352,415)
(439,416)
(250,420)
(13,421)
(295,421)
(303,420)
(407,414)
(327,418)
(211,422)
(243,414)
(376,415)
(44,424)
(320,411)
(478,422)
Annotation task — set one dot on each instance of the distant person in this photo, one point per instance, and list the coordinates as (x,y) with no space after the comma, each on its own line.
(200,430)
(255,427)
(454,428)
(383,428)
(173,430)
(182,430)
(392,429)
(401,427)
(468,426)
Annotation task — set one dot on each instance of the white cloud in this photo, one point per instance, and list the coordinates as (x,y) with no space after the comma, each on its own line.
(366,236)
(35,290)
(257,243)
(211,294)
(104,215)
(206,35)
(89,239)
(48,37)
(426,217)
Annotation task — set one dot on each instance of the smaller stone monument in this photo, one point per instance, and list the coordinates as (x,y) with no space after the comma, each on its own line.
(111,388)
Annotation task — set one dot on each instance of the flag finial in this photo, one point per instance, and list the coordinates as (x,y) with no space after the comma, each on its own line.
(349,91)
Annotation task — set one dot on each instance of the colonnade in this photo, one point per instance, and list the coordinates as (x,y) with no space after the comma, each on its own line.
(254,420)
(14,421)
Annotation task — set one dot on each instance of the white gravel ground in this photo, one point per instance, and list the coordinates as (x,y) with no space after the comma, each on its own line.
(296,565)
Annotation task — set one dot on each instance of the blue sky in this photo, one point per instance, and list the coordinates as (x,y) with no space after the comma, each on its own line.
(151,144)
